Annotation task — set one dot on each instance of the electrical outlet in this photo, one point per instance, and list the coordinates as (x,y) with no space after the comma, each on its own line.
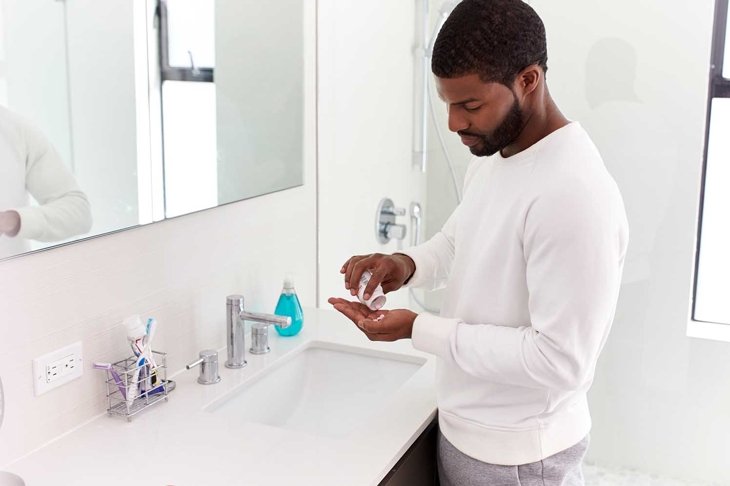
(57,368)
(63,367)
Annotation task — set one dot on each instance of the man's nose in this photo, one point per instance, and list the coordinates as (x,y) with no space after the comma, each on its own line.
(456,121)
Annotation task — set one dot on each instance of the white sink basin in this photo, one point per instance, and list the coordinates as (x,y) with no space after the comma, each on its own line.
(325,389)
(10,479)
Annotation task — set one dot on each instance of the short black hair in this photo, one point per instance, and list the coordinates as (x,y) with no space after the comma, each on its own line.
(495,39)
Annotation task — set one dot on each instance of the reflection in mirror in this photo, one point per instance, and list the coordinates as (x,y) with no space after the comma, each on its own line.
(187,62)
(172,107)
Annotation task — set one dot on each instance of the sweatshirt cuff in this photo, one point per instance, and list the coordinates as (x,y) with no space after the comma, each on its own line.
(418,276)
(432,334)
(31,223)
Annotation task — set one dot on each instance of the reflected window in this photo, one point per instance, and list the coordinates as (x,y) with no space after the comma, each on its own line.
(711,301)
(187,62)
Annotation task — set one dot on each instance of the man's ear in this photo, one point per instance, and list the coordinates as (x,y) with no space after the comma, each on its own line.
(528,80)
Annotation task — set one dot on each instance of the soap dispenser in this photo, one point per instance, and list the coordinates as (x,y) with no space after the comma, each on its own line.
(289,306)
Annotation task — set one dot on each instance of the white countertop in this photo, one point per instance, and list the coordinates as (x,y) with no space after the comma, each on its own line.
(179,443)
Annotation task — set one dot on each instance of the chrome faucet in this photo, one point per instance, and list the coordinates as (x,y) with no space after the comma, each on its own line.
(236,336)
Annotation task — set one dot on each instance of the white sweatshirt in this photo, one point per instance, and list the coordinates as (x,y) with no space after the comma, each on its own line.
(29,165)
(531,260)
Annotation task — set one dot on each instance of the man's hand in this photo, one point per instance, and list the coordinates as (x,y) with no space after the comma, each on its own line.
(9,223)
(390,271)
(379,325)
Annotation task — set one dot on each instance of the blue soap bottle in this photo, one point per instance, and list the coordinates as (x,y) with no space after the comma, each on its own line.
(289,305)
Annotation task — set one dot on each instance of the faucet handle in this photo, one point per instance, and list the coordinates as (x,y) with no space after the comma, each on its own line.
(397,231)
(208,367)
(259,339)
(260,329)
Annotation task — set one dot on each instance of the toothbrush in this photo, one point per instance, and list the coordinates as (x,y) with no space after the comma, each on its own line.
(168,386)
(115,376)
(139,336)
(150,334)
(135,333)
(144,381)
(135,347)
(150,329)
(133,388)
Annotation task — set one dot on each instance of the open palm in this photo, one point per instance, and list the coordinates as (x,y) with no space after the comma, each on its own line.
(382,325)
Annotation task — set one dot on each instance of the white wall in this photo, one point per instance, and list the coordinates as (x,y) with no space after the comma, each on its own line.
(179,270)
(635,74)
(366,72)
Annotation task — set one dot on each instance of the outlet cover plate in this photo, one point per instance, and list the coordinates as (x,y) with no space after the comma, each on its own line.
(57,368)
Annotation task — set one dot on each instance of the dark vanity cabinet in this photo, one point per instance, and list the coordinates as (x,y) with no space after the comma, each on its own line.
(417,467)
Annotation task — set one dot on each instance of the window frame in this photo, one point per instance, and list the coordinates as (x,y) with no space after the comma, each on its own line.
(171,73)
(719,87)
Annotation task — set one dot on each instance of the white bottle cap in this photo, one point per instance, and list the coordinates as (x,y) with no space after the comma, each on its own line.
(288,282)
(377,299)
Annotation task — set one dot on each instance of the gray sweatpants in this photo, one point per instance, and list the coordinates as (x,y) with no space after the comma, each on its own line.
(561,469)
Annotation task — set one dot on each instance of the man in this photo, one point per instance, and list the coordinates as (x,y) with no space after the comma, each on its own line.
(531,260)
(29,165)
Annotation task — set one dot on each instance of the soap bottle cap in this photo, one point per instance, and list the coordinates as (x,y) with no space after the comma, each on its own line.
(288,283)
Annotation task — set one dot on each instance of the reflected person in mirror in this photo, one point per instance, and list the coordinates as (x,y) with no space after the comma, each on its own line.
(531,262)
(30,166)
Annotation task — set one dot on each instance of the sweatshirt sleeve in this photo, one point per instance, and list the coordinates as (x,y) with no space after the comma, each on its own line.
(574,246)
(63,209)
(434,257)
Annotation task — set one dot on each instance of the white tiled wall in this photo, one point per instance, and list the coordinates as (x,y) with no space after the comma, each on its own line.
(365,131)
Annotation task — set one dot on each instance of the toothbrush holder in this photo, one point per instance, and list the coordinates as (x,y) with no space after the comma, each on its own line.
(136,388)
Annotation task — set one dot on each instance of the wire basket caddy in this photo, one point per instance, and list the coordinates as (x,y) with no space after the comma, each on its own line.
(136,388)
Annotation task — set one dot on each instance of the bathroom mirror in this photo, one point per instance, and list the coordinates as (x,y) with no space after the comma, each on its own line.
(2,403)
(116,114)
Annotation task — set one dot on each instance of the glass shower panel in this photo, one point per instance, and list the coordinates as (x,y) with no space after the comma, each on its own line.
(713,271)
